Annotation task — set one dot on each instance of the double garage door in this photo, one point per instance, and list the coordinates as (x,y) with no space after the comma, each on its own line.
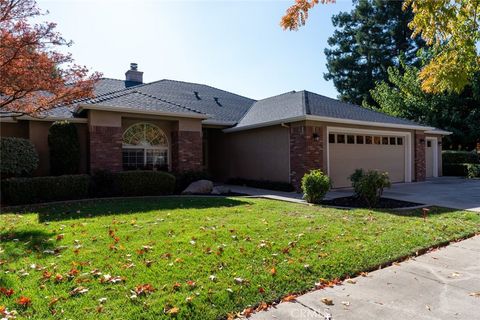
(352,150)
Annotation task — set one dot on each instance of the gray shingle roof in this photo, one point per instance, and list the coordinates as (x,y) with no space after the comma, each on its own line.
(304,103)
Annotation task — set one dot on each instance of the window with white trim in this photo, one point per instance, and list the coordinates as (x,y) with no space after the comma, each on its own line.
(144,146)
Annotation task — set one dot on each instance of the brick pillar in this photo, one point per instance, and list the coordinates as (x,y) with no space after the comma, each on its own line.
(186,151)
(306,152)
(420,164)
(105,148)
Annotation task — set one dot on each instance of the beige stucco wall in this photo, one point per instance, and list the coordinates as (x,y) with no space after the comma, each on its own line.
(259,154)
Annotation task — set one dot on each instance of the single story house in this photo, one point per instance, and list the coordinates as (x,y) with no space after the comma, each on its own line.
(183,126)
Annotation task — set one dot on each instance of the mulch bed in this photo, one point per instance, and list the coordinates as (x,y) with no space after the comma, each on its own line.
(354,202)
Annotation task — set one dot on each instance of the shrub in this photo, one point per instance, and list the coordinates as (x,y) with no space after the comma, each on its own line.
(315,184)
(103,183)
(455,169)
(450,157)
(43,189)
(64,148)
(473,170)
(18,157)
(183,179)
(368,186)
(144,183)
(263,184)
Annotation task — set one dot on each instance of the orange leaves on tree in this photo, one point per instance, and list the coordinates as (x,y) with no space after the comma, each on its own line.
(35,75)
(297,14)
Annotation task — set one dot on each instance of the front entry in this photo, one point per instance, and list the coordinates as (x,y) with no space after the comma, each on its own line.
(431,157)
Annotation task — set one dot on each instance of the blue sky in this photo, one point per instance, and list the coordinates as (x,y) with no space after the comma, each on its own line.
(233,45)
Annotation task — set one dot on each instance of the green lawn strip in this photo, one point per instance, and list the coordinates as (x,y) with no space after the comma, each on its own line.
(228,247)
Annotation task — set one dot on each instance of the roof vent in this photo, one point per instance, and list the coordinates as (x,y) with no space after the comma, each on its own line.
(216,101)
(196,95)
(133,75)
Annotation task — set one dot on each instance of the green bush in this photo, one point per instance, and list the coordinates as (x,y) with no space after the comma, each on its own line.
(473,170)
(18,157)
(144,183)
(103,183)
(315,184)
(263,184)
(43,189)
(183,179)
(64,148)
(368,186)
(450,157)
(455,169)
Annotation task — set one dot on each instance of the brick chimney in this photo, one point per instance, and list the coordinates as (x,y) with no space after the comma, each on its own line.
(133,75)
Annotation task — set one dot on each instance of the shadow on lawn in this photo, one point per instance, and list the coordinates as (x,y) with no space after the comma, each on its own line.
(417,213)
(22,243)
(105,207)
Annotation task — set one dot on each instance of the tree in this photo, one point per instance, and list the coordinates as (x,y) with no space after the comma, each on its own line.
(402,96)
(450,26)
(367,41)
(34,75)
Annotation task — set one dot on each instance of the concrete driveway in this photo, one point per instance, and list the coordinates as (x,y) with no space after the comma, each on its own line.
(443,284)
(450,192)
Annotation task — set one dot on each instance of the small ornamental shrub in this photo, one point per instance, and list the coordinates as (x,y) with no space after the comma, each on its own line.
(473,170)
(64,148)
(183,179)
(368,186)
(315,184)
(144,183)
(455,169)
(451,157)
(103,183)
(18,157)
(43,189)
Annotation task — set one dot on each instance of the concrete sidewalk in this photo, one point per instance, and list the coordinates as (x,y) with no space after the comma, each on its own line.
(444,284)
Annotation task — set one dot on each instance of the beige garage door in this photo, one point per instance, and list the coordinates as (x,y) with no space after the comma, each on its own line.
(350,151)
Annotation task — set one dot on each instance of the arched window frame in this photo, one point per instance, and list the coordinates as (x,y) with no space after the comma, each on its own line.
(146,149)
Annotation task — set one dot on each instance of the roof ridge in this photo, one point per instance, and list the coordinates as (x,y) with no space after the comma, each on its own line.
(166,101)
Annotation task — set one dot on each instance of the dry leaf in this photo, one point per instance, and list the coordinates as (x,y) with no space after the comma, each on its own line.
(173,310)
(327,301)
(289,298)
(475,294)
(351,281)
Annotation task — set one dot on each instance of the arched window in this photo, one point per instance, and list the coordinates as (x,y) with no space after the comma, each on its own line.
(145,146)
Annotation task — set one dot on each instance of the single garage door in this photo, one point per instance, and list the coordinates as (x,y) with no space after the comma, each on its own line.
(350,151)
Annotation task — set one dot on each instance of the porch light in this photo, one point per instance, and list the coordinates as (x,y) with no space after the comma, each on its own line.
(315,136)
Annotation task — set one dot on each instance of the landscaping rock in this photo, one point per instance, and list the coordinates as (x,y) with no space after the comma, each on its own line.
(220,190)
(199,187)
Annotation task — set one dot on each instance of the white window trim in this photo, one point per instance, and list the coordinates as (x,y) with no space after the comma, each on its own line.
(407,144)
(434,141)
(145,148)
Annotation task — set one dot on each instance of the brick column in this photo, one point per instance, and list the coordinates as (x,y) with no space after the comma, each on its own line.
(306,152)
(186,151)
(105,148)
(420,164)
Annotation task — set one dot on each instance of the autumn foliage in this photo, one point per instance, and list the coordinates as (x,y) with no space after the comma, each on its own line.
(297,14)
(34,75)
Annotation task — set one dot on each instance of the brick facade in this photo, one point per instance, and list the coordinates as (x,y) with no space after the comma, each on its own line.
(186,151)
(420,162)
(306,152)
(105,148)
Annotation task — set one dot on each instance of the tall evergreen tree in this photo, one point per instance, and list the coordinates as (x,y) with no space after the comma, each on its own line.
(367,41)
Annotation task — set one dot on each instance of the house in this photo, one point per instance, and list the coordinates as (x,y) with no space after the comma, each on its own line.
(180,126)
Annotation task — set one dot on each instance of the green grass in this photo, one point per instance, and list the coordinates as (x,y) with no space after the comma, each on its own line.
(192,239)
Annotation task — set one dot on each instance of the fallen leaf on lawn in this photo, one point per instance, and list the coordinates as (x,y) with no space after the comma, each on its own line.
(188,299)
(238,280)
(144,289)
(364,274)
(102,300)
(327,301)
(6,292)
(273,271)
(24,301)
(176,286)
(60,236)
(289,298)
(173,310)
(53,301)
(213,278)
(78,291)
(58,277)
(191,283)
(262,306)
(247,312)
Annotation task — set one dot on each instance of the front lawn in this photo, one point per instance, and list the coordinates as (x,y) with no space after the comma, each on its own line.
(195,258)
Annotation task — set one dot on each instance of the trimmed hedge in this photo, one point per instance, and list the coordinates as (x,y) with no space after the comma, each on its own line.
(263,184)
(460,157)
(144,183)
(315,185)
(473,170)
(18,157)
(469,170)
(43,189)
(64,148)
